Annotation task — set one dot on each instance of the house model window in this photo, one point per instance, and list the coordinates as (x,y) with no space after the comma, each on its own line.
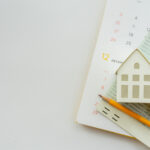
(136,66)
(133,79)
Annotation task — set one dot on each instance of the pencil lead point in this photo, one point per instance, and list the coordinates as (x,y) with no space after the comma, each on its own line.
(100,95)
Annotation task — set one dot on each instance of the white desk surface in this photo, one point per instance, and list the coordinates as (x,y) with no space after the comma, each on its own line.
(46,48)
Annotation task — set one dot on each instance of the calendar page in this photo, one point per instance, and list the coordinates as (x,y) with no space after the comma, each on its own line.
(124,26)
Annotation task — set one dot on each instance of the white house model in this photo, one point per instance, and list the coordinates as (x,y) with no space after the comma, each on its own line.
(133,79)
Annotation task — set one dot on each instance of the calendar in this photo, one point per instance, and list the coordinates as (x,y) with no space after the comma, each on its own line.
(125,24)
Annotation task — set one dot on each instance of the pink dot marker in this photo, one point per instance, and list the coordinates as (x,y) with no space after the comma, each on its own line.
(96,103)
(116,30)
(95,112)
(121,14)
(102,87)
(118,22)
(113,39)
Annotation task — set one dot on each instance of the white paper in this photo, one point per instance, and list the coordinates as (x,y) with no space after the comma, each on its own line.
(124,26)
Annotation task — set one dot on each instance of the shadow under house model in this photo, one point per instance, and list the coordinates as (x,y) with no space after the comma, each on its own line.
(133,79)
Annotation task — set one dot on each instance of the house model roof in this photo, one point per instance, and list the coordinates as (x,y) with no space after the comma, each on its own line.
(136,50)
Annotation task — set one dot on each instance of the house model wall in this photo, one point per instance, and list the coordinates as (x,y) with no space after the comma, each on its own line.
(133,79)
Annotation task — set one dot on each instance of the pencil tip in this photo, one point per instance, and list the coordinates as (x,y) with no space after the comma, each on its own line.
(100,95)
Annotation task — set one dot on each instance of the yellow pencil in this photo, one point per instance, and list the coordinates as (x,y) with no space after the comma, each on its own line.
(126,110)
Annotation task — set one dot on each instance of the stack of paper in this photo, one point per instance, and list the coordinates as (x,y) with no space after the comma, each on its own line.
(124,26)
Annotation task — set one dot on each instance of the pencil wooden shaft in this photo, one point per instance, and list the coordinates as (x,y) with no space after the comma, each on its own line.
(127,111)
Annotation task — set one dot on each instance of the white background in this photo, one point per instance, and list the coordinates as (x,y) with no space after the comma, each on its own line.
(45,51)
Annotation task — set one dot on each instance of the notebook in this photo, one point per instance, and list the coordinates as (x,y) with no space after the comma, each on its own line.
(125,23)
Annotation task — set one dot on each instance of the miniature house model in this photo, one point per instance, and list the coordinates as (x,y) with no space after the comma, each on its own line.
(133,79)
